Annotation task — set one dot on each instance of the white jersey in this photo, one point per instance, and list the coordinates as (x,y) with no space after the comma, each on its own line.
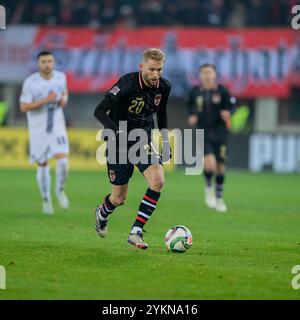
(46,124)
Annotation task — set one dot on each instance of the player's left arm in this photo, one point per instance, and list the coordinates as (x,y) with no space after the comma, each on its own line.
(228,105)
(64,99)
(65,95)
(162,122)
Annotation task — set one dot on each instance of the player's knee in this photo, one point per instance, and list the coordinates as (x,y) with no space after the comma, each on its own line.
(59,156)
(157,184)
(211,168)
(118,200)
(43,164)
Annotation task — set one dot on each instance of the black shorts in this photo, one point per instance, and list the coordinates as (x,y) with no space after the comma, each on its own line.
(120,174)
(217,148)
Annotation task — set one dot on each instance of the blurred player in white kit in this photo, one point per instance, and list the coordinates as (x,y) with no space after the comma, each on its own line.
(43,96)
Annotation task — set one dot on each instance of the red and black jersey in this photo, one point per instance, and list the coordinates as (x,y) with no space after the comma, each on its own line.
(131,100)
(207,104)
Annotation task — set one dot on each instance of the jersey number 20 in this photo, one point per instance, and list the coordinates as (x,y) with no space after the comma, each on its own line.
(136,106)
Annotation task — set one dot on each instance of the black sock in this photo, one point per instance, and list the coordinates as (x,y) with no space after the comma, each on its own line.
(107,207)
(146,208)
(219,185)
(208,176)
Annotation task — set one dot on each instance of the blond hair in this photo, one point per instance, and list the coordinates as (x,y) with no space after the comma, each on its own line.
(154,54)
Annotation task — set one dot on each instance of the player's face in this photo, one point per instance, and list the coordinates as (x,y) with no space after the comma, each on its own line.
(208,76)
(46,64)
(151,71)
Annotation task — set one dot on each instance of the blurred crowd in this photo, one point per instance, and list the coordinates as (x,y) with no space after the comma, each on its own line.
(133,13)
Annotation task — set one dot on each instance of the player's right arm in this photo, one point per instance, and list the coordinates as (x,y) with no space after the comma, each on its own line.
(27,100)
(114,97)
(24,107)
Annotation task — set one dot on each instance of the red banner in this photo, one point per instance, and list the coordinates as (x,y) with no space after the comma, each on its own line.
(251,62)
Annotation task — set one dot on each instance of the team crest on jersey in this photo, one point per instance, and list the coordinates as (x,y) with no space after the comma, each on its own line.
(216,98)
(112,175)
(114,90)
(157,99)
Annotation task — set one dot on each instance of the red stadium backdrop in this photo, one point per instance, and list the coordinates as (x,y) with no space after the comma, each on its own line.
(251,62)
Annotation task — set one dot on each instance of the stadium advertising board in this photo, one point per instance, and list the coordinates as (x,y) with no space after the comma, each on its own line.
(14,149)
(251,62)
(276,152)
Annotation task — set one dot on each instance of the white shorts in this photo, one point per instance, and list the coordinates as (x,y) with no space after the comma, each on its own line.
(44,148)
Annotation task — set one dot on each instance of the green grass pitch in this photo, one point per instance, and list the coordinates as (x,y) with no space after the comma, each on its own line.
(247,253)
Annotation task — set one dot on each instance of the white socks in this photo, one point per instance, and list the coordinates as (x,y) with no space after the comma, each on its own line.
(62,168)
(44,182)
(44,179)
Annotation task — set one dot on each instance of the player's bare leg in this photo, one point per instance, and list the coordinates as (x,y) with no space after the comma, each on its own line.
(209,170)
(111,201)
(44,182)
(62,169)
(220,204)
(154,176)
